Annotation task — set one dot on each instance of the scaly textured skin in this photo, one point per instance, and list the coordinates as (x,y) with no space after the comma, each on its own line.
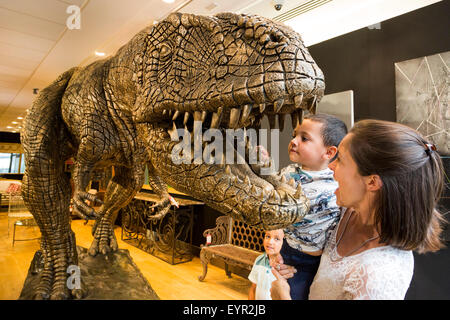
(226,71)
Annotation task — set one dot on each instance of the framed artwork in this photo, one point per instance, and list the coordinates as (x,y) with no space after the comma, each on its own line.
(422,97)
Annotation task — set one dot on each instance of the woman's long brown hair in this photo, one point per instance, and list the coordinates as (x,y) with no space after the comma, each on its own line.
(412,176)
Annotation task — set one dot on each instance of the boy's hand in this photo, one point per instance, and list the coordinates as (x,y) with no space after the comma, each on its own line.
(263,155)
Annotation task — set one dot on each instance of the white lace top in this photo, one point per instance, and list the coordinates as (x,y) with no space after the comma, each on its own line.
(381,273)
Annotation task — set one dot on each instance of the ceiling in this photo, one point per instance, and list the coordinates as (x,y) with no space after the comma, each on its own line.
(36,45)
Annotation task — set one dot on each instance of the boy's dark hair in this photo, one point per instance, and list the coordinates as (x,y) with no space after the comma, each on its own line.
(333,129)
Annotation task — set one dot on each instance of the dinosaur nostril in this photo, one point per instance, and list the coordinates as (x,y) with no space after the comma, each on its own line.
(273,37)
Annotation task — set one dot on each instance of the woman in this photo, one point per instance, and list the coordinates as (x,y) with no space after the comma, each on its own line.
(391,178)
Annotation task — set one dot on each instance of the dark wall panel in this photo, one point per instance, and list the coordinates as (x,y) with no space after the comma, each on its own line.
(363,60)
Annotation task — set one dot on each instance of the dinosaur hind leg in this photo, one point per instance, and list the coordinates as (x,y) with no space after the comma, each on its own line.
(46,191)
(120,191)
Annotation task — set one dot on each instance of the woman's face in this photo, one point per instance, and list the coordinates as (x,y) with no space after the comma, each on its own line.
(352,188)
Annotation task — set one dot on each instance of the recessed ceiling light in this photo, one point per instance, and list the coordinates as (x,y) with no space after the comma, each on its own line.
(14,131)
(99,54)
(169,1)
(20,118)
(9,127)
(14,122)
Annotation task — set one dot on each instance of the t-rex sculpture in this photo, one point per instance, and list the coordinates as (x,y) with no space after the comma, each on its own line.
(227,71)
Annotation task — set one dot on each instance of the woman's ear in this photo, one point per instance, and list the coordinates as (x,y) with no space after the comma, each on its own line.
(374,182)
(331,152)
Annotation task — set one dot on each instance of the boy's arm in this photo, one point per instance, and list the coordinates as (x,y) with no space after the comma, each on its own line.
(251,292)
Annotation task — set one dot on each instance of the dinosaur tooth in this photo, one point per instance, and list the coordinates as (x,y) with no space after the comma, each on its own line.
(219,111)
(246,112)
(283,179)
(215,121)
(175,115)
(247,180)
(228,169)
(281,121)
(234,117)
(277,105)
(298,101)
(186,118)
(313,105)
(204,115)
(197,116)
(262,106)
(173,132)
(263,194)
(300,115)
(222,161)
(275,196)
(216,117)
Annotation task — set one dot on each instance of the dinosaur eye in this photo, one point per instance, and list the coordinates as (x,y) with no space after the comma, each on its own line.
(164,52)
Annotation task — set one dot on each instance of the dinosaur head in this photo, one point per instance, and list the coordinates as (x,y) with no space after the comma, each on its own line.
(227,72)
(221,64)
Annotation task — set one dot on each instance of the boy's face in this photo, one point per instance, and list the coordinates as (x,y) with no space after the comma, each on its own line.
(306,147)
(273,241)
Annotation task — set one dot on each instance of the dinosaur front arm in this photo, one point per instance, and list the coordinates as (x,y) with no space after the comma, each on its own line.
(81,176)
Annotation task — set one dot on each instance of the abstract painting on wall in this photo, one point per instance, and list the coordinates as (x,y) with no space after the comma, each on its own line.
(422,97)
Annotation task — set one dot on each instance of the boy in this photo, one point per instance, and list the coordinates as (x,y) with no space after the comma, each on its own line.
(261,275)
(313,147)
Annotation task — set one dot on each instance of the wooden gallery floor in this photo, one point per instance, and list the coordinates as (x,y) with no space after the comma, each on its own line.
(170,282)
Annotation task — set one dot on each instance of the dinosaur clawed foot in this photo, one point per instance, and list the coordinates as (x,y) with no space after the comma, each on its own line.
(59,280)
(104,238)
(161,208)
(81,208)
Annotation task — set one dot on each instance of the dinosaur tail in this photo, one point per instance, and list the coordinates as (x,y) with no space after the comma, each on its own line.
(44,123)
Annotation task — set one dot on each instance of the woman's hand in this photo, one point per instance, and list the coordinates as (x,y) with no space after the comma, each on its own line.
(280,289)
(284,270)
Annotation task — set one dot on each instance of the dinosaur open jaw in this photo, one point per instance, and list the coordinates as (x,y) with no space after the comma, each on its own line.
(244,169)
(245,116)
